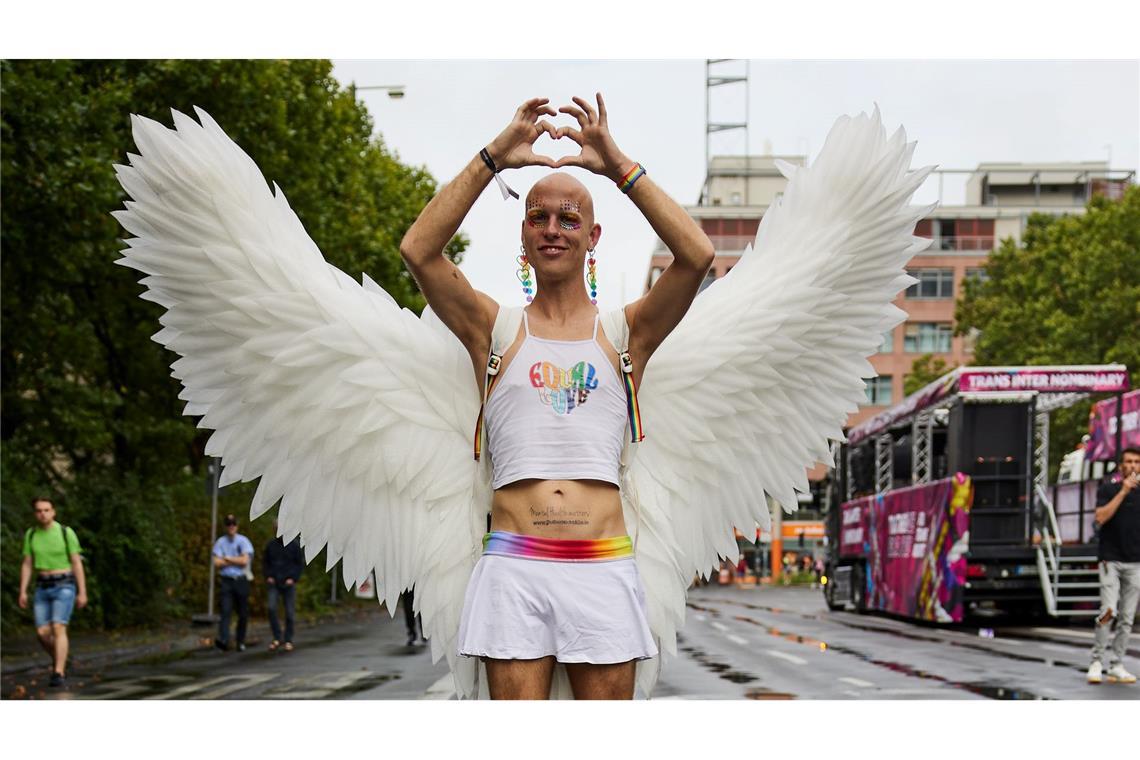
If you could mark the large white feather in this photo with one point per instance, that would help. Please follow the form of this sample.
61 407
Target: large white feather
356 412
747 392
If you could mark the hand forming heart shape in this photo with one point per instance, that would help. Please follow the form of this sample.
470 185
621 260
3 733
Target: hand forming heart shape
514 147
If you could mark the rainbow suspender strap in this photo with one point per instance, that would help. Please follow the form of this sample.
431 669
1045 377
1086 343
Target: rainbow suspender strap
636 433
494 361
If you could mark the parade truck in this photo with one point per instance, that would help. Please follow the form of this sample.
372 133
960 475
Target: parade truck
940 507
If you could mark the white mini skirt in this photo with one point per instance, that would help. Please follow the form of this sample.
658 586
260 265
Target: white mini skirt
524 608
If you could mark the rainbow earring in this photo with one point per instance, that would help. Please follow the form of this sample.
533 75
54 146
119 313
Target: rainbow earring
523 274
592 276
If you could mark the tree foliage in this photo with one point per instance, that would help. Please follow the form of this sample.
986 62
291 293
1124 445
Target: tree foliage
924 370
1068 294
90 412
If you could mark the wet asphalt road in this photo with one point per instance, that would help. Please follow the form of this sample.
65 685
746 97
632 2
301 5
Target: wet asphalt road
738 643
783 643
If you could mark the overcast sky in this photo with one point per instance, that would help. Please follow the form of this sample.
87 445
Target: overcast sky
960 112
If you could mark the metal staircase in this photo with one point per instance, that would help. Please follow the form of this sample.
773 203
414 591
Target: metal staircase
1068 576
1069 579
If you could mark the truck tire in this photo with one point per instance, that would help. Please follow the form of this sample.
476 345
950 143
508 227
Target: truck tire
829 592
859 589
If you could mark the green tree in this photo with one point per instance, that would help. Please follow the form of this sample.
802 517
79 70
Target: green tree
90 414
1068 294
924 370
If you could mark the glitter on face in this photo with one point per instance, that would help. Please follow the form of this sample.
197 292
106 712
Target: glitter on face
569 214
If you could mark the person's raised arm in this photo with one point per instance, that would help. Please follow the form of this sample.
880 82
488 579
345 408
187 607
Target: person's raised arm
466 312
654 316
1107 511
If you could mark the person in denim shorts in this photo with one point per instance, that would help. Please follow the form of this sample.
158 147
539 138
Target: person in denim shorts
52 551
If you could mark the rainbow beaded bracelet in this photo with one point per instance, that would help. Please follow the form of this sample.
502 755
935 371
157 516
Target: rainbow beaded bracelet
633 175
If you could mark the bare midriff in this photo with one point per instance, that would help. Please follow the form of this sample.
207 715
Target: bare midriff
573 509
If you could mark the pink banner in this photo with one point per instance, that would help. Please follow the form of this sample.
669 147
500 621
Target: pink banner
915 542
1102 427
1066 380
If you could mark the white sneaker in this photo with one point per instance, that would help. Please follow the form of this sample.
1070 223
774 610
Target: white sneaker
1117 674
1095 671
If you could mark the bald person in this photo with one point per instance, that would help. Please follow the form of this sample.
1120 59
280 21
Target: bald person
557 582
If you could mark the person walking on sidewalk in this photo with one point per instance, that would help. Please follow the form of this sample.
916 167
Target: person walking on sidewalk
1118 561
233 553
283 564
52 551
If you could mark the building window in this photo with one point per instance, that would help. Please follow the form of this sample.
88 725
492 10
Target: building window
735 199
927 338
654 274
932 284
977 274
888 344
879 390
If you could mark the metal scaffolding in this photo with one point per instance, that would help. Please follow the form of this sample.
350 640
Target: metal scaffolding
712 127
922 447
884 463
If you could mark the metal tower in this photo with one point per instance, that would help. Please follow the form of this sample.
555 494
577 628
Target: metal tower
722 79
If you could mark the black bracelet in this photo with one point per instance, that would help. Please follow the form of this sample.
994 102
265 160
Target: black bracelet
488 161
507 191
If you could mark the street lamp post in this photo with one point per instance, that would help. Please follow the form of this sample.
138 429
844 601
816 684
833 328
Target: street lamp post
395 91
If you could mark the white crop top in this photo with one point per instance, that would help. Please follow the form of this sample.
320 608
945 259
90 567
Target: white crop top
557 413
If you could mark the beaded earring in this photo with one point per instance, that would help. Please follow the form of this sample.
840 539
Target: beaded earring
523 274
592 276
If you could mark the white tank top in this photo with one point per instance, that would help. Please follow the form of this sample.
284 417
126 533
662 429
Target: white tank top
557 413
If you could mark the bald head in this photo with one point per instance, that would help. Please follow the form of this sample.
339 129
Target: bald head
561 186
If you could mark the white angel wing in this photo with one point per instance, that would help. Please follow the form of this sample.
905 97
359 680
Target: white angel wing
745 395
356 414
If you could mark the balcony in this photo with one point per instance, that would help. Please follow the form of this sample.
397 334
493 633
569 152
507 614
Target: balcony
732 245
973 243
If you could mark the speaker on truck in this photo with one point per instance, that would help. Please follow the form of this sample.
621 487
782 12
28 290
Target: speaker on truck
990 443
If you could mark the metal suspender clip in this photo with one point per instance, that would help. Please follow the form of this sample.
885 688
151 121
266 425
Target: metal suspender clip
493 364
626 362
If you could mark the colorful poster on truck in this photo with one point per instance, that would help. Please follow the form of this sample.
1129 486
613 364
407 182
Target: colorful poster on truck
914 541
1102 427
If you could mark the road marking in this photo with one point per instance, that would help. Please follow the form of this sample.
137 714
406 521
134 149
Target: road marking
320 685
444 688
719 626
132 687
701 618
738 640
231 684
789 657
857 682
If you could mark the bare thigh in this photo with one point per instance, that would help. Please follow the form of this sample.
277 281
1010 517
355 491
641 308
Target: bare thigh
602 681
519 679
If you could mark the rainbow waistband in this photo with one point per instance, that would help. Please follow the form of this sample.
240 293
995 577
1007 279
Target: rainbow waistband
566 549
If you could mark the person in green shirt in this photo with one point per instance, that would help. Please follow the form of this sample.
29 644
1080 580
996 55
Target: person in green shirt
52 552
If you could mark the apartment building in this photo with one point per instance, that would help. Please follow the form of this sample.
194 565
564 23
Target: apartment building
998 199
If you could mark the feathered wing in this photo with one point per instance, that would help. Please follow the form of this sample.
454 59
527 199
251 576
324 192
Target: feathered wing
746 394
355 413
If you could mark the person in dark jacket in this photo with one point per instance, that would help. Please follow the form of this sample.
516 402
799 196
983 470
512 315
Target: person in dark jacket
283 566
